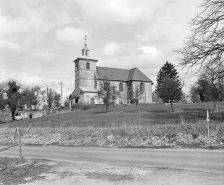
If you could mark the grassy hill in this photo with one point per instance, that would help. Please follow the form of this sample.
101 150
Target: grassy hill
154 126
150 114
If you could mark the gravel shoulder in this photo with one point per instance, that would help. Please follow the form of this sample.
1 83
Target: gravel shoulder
40 172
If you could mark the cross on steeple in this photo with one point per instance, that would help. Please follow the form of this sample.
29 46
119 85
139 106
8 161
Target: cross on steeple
85 50
85 40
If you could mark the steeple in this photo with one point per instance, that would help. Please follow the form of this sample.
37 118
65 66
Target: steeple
85 50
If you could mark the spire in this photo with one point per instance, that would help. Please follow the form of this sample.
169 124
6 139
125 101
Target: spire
85 50
85 40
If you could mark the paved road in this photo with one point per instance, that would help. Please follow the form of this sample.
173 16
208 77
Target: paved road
187 159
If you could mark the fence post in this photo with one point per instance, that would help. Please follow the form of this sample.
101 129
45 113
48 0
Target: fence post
208 121
19 143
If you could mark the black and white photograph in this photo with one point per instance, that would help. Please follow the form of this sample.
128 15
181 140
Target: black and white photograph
111 92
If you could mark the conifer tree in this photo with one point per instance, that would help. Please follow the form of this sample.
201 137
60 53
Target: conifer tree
169 87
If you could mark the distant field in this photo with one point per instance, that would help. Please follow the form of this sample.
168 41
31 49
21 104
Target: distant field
150 114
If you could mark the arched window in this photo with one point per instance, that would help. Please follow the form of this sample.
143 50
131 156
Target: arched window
77 65
87 65
141 86
106 86
121 89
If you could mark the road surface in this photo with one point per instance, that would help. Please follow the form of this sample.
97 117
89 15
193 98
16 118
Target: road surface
186 159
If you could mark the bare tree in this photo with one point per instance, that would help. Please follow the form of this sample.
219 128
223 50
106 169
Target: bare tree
107 92
67 102
51 97
215 76
27 98
37 92
205 47
136 95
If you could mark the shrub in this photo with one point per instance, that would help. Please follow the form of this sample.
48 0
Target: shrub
80 106
217 115
77 106
86 107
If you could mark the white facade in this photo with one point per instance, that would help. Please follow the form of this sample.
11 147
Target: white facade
88 77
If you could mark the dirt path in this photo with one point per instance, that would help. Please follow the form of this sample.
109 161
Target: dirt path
95 174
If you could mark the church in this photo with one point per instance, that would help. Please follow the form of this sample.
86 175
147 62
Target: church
88 77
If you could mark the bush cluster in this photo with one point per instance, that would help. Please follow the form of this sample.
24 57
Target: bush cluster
80 106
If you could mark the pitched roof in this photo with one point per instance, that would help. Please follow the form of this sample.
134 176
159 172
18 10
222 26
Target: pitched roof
108 73
76 92
136 75
116 74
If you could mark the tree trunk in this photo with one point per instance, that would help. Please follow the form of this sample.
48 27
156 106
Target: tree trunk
138 119
13 114
215 105
107 107
171 105
136 104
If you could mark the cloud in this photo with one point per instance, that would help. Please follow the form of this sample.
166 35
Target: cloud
12 26
143 38
9 45
46 56
125 34
28 20
150 52
70 34
111 48
30 80
124 11
63 18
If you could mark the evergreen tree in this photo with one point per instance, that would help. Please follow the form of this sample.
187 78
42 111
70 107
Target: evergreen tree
169 87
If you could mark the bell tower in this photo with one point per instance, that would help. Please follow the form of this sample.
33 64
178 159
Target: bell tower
85 69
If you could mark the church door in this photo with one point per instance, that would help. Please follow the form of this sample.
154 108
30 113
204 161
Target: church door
76 100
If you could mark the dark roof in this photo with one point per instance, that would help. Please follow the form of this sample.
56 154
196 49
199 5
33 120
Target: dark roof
136 75
116 74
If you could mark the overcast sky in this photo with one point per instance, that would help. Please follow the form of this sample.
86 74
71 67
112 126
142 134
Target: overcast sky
39 40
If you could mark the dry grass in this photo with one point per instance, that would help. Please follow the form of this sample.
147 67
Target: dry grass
167 135
155 124
199 127
150 114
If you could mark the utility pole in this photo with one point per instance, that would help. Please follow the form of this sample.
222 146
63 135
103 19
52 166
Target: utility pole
61 83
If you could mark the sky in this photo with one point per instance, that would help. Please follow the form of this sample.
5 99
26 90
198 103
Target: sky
39 40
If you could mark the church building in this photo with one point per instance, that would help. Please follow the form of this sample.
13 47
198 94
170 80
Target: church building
88 76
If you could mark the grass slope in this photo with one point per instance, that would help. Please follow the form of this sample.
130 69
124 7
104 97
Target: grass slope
150 114
155 126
